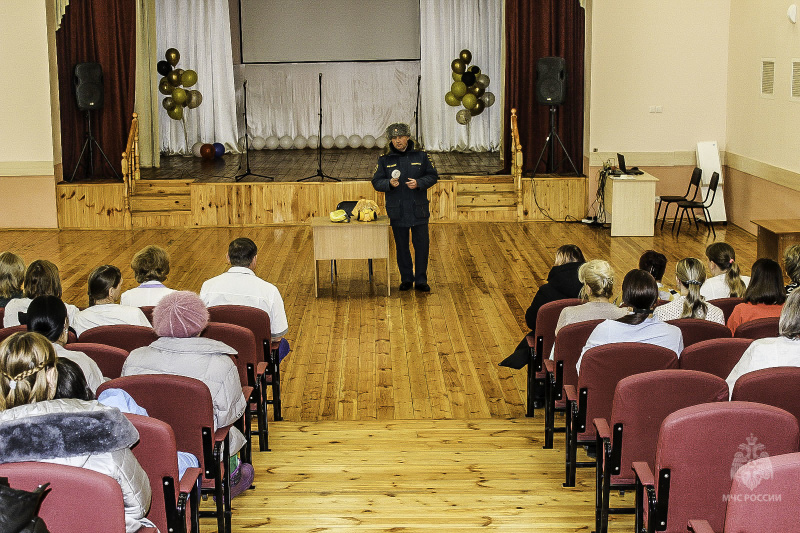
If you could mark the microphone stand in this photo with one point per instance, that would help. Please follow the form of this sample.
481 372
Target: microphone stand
239 177
416 114
320 174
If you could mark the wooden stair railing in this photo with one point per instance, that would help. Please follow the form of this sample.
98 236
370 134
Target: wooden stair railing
130 168
516 162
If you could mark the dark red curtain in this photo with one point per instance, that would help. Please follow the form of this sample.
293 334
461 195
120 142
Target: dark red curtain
101 31
534 30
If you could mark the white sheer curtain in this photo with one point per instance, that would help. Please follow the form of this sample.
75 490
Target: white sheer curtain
357 98
449 26
200 31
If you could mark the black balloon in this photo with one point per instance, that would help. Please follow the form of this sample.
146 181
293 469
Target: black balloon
468 78
475 69
163 67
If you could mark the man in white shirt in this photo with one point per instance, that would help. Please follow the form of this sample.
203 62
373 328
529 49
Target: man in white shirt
240 286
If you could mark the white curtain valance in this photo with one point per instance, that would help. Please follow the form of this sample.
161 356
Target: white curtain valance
60 7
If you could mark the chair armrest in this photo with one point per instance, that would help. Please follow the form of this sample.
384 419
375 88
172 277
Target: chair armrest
248 393
531 341
571 393
189 479
601 426
221 434
262 367
700 526
549 365
643 474
274 345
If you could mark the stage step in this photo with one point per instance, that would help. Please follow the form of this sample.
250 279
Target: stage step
151 187
160 203
484 193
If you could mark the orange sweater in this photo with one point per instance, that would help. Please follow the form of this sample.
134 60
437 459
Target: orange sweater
746 312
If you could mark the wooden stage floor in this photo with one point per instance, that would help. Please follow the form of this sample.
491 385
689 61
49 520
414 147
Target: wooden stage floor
292 165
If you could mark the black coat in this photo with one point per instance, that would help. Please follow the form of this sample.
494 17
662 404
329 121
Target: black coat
406 207
562 283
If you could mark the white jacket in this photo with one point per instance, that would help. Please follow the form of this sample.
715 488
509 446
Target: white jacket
117 461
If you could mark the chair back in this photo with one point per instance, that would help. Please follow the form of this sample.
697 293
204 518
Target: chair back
148 312
80 500
157 452
776 386
642 402
240 339
715 356
2 314
547 319
727 305
746 513
604 366
108 358
568 346
348 206
695 330
183 403
252 318
122 336
703 446
7 332
694 181
712 190
760 328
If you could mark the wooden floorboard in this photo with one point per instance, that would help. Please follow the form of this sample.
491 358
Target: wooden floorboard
397 417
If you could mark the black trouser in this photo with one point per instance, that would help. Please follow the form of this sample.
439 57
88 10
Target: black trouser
421 240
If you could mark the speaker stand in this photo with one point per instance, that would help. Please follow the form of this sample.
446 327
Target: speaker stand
551 143
89 143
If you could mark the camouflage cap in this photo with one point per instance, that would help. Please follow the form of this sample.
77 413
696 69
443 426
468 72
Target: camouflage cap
398 129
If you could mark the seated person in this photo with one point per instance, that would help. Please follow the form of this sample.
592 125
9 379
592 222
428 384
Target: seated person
689 277
12 273
763 297
656 264
726 281
562 283
640 292
150 267
791 260
775 351
597 277
105 286
48 315
41 279
240 286
28 382
178 319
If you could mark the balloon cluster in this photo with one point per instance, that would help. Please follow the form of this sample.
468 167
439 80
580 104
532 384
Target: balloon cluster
208 151
468 89
177 97
328 141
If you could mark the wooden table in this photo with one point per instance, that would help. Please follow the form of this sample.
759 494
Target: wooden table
630 205
774 236
350 240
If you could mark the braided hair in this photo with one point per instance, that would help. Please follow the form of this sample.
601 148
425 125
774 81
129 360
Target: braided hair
25 359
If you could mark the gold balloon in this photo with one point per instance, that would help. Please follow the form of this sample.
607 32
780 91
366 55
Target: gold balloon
477 89
452 99
459 89
188 78
483 78
179 95
176 113
456 76
478 109
174 78
469 100
164 86
465 56
168 103
197 99
172 56
458 66
463 117
488 99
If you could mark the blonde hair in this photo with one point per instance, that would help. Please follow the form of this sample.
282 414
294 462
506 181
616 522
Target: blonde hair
25 358
789 324
723 255
791 260
569 253
12 273
692 274
598 276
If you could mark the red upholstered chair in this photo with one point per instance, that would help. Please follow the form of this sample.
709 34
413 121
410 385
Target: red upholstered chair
641 402
258 322
561 371
776 386
695 330
2 314
185 404
745 513
760 328
699 448
7 332
542 343
148 312
602 368
715 356
242 340
79 501
122 336
109 358
157 452
727 305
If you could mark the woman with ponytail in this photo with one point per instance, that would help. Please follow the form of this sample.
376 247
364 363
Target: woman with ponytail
105 287
639 292
726 280
764 296
689 277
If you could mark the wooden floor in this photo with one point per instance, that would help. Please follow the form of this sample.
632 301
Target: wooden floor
397 417
292 165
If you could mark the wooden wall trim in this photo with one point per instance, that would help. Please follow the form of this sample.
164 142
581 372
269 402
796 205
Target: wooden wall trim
765 171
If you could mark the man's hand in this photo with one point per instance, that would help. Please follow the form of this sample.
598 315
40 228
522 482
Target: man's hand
412 184
394 182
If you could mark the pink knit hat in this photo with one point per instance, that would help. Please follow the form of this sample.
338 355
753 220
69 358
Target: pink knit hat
180 314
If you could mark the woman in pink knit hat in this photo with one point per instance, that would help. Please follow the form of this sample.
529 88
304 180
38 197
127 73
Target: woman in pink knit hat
178 319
